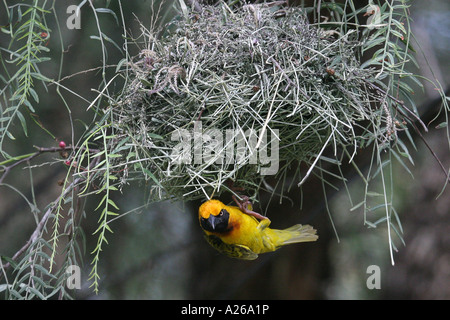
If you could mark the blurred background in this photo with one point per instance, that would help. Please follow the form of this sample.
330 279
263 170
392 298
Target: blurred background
158 252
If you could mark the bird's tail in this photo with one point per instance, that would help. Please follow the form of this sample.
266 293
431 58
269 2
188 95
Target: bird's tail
297 233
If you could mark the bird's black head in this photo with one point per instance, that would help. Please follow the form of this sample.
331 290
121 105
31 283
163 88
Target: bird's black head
218 223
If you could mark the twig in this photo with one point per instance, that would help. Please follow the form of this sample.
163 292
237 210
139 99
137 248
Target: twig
80 72
26 159
447 174
400 102
31 156
194 4
40 226
34 236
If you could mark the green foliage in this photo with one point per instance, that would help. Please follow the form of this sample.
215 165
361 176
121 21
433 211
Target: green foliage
28 32
39 267
106 204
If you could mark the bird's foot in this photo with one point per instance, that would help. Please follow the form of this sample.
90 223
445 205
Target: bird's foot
246 207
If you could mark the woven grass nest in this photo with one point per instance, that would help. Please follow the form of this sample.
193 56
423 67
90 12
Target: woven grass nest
230 71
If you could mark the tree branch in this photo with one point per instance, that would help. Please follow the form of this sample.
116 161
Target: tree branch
27 157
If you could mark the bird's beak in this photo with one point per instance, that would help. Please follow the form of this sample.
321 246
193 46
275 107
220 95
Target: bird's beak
210 223
217 223
213 221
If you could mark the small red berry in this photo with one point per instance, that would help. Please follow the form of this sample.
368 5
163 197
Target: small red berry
62 144
67 162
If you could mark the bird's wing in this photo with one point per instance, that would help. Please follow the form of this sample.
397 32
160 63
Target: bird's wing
231 250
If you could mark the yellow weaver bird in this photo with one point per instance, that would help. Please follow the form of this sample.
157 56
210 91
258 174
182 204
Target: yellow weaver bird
235 231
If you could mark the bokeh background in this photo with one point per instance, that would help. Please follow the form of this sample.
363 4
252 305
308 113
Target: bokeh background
158 252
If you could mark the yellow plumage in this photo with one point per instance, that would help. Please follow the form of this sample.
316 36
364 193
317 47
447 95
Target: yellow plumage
240 235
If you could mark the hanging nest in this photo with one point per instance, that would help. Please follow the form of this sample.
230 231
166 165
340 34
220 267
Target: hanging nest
252 78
